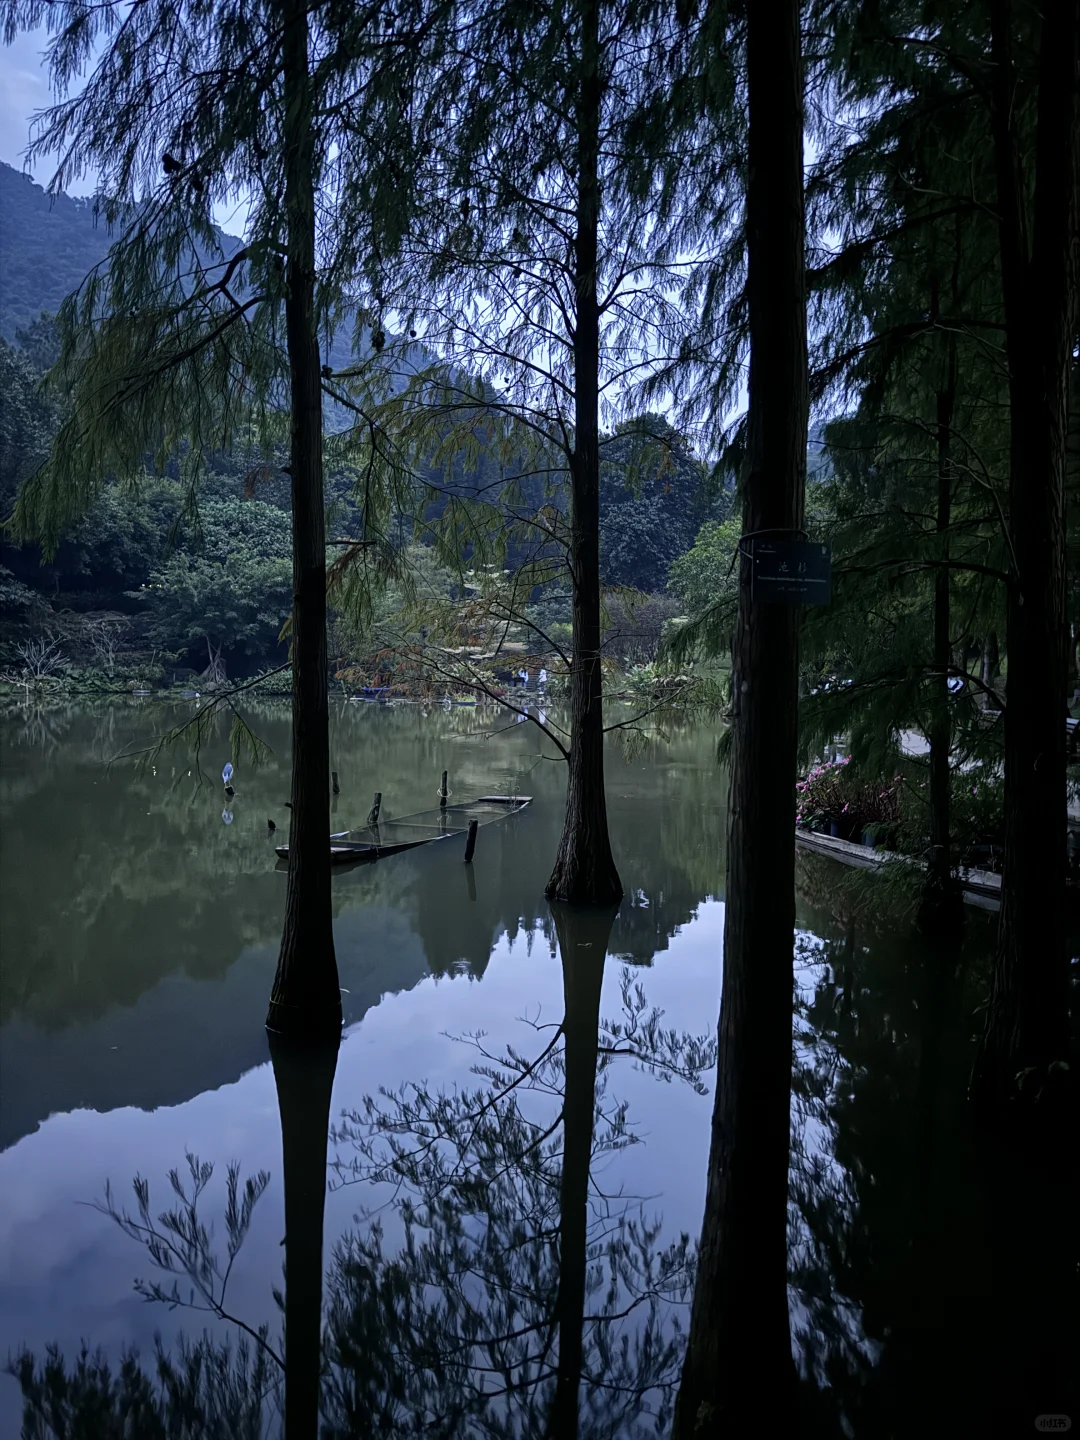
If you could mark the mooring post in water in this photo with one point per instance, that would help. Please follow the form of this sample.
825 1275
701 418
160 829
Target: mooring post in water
373 813
470 843
443 792
333 782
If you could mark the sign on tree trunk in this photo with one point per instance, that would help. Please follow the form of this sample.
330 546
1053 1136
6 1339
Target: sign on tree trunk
792 572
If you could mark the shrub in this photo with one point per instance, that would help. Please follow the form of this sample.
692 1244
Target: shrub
837 792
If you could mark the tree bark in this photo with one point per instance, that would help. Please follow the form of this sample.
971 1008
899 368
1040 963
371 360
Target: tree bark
304 1076
941 911
584 872
1027 1018
583 939
306 998
991 663
739 1351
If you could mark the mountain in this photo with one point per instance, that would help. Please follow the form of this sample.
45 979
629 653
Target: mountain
48 243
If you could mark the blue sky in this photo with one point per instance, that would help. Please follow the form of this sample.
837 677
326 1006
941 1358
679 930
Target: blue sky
24 89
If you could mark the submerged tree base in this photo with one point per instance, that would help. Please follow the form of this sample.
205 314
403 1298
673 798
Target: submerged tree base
588 879
305 1004
1034 1101
302 1023
941 910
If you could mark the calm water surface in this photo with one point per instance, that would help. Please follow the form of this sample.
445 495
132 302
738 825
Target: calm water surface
139 920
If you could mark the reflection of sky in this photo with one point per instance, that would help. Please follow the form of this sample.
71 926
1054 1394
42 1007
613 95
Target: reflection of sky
66 1272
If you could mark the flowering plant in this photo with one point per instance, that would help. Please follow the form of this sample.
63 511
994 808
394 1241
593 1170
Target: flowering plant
834 792
822 795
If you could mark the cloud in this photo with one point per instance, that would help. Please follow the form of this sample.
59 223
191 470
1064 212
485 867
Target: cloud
24 90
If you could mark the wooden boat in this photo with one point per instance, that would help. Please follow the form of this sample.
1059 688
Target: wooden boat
425 827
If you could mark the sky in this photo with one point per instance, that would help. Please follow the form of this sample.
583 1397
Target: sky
24 90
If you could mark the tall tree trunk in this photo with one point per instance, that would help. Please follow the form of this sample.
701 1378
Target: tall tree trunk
1027 1019
941 911
306 998
583 939
991 661
739 1350
585 872
304 1076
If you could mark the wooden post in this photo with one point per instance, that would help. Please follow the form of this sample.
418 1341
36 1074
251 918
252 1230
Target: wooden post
470 843
443 792
333 783
373 813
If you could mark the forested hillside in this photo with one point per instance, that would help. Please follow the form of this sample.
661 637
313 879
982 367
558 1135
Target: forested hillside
179 589
47 245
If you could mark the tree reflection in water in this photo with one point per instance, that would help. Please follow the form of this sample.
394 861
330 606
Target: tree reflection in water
496 1284
520 1277
520 1298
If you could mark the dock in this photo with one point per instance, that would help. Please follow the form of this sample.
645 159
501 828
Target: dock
980 887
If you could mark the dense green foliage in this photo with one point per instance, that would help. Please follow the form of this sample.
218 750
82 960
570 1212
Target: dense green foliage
705 575
230 589
653 496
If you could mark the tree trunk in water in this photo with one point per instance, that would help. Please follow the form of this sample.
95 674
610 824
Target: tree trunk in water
304 1075
1027 1019
583 939
585 872
739 1348
941 911
306 998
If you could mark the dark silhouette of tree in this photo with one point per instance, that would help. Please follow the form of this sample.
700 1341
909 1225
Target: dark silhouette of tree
548 283
304 1076
182 341
1025 1047
306 998
739 1333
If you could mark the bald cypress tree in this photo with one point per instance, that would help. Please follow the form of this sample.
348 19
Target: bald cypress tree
1027 1027
546 277
739 1341
306 995
183 342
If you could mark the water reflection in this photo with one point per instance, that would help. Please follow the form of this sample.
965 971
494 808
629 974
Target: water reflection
304 1076
501 1278
520 1297
138 930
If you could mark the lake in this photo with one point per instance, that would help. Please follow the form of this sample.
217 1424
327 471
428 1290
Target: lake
139 918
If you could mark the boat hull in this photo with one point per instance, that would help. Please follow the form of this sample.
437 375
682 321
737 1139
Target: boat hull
425 827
